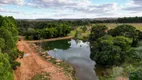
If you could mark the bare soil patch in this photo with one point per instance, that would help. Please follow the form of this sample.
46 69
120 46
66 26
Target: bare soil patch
33 64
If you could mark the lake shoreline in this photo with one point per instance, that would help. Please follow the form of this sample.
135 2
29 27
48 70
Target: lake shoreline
68 68
76 53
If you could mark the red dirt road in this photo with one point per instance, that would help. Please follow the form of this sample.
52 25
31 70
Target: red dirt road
32 64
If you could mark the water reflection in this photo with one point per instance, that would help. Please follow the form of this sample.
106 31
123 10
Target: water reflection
59 44
77 54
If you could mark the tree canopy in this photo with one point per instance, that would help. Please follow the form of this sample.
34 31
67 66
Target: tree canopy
37 29
124 30
119 20
127 31
109 50
114 46
98 31
6 72
8 50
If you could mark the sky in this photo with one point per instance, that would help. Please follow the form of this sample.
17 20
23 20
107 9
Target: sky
57 9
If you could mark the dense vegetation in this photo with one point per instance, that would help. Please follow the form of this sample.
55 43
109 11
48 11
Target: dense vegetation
8 50
130 20
6 72
109 47
110 50
119 40
115 47
127 31
120 20
38 29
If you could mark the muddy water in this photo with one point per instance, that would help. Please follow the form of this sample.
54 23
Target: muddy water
76 53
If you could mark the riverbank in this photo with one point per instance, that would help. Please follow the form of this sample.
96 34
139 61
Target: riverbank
67 68
74 52
32 64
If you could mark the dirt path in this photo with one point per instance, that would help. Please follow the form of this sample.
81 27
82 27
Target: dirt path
32 64
52 39
122 78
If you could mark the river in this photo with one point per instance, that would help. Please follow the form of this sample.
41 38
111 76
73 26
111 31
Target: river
76 53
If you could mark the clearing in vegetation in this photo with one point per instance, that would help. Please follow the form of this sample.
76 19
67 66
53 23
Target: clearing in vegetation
32 64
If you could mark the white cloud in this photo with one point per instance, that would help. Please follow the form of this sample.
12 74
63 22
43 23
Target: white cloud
16 2
72 8
138 2
84 6
134 6
8 11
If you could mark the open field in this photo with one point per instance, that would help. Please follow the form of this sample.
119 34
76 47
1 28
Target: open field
81 33
109 25
113 25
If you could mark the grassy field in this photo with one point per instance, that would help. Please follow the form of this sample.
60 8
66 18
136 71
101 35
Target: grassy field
82 35
113 25
109 25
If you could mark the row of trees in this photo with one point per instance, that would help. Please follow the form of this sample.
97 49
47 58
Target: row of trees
59 31
38 29
130 20
120 20
8 50
25 24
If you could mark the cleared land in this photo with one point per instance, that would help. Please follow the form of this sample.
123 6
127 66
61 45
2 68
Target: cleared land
33 64
113 25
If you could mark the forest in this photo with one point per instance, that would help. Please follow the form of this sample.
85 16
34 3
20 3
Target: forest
8 50
120 20
35 30
116 49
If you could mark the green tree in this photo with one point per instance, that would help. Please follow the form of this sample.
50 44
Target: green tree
127 31
6 72
84 28
98 31
2 43
109 50
9 41
47 31
136 75
8 38
139 34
